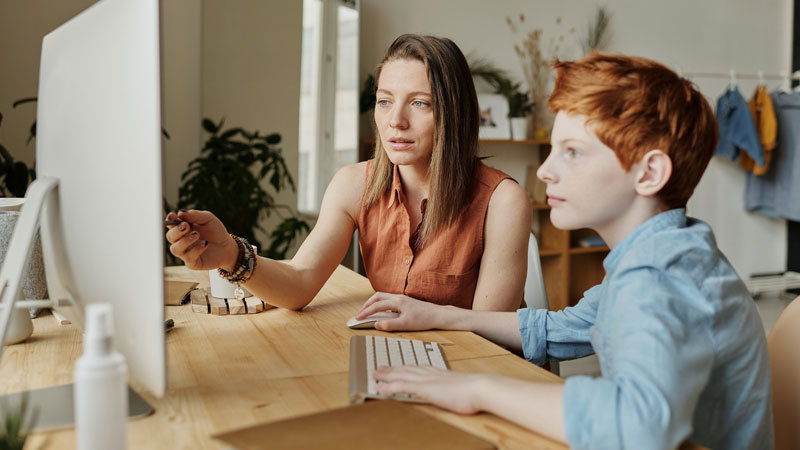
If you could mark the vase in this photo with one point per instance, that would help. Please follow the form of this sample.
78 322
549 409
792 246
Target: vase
33 284
519 128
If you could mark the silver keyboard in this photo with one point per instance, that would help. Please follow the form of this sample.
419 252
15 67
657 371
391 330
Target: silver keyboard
367 353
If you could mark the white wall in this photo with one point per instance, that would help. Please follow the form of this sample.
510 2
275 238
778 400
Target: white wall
240 60
690 36
251 72
24 24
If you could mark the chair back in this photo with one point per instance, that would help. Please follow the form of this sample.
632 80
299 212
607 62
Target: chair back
535 293
784 358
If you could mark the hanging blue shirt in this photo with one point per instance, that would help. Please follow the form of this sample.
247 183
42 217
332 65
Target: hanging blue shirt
777 192
736 127
681 347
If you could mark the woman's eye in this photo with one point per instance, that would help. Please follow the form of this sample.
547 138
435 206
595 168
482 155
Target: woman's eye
382 102
420 104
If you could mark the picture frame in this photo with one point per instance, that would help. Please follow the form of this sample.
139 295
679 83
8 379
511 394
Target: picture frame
494 117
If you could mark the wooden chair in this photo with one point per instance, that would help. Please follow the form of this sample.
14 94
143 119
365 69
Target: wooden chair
784 357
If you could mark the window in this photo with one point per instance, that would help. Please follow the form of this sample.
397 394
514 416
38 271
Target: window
328 96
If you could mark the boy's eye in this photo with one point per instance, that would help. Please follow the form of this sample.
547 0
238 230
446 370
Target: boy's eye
572 153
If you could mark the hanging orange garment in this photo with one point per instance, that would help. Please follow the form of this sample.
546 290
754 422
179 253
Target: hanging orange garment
763 113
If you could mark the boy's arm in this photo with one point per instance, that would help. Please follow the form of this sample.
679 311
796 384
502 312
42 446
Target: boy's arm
536 406
657 357
559 335
538 333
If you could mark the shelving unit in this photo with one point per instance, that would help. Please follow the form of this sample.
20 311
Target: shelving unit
568 269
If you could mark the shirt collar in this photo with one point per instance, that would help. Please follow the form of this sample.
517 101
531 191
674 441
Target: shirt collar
674 218
397 188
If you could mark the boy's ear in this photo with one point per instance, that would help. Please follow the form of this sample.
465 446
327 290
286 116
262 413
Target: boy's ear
655 170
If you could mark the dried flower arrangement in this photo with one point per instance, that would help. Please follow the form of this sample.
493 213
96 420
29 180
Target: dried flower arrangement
536 68
597 32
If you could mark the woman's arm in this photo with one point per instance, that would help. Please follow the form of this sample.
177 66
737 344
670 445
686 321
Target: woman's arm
291 284
504 263
499 327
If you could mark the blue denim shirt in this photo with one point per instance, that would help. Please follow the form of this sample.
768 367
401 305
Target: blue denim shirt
681 347
736 127
777 192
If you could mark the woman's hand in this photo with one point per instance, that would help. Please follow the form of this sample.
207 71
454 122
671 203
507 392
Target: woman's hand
201 241
453 391
414 314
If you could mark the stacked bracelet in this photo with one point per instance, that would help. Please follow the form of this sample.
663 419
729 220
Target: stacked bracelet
245 263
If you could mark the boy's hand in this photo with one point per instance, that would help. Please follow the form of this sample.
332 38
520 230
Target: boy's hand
413 314
453 391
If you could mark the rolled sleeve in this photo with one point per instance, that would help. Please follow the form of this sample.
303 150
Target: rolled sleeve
534 334
558 335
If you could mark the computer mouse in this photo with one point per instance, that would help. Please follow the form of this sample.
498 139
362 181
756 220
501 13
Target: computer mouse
369 321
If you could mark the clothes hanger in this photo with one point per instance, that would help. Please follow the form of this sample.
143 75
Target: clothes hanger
760 76
786 86
732 84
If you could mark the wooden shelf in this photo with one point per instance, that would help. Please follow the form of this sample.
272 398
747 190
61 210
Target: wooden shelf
538 206
584 250
545 141
568 270
371 141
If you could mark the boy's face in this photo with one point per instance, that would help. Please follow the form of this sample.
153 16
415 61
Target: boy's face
586 184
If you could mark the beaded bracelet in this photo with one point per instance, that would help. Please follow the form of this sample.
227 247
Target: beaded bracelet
245 263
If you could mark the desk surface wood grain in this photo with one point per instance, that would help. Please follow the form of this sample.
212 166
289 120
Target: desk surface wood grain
228 372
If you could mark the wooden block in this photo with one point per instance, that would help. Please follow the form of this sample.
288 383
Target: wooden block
175 291
235 306
199 299
254 305
218 306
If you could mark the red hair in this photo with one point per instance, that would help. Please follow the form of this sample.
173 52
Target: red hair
636 105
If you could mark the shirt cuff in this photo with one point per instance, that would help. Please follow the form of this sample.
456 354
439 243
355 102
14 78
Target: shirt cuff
532 327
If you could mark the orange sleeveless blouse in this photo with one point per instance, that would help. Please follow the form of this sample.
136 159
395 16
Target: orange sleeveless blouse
445 269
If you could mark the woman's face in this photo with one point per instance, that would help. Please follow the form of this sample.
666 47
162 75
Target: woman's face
404 112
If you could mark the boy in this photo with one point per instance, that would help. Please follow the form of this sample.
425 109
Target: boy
680 344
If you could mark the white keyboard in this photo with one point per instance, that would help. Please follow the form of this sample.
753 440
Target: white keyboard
367 353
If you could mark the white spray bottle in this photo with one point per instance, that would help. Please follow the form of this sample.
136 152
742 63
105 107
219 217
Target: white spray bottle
101 391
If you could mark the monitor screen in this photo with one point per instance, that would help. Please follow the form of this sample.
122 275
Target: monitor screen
99 136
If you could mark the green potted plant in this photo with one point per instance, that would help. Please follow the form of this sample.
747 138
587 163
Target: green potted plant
519 103
15 176
16 422
226 179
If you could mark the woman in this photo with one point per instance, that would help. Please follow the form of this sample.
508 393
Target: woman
434 223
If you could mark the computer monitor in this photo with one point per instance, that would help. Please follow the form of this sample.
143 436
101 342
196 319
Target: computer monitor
98 193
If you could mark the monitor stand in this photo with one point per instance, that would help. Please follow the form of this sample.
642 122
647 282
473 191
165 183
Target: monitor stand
41 191
55 404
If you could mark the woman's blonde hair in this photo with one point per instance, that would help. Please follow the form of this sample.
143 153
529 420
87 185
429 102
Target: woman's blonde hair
455 140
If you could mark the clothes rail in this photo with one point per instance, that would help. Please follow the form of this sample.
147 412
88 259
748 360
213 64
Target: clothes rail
746 76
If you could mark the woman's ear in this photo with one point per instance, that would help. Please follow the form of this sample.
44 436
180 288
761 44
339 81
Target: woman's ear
655 170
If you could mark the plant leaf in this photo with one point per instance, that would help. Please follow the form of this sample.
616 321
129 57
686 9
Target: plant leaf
209 126
23 101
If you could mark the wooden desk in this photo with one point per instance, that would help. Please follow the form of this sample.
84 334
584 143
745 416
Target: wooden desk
228 372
